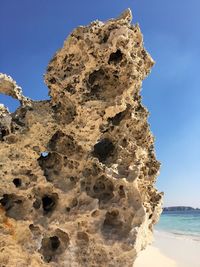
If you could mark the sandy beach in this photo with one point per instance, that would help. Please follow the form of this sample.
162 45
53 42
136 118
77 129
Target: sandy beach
168 250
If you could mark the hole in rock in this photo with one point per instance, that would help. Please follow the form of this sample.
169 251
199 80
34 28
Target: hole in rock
117 118
62 143
103 149
115 57
55 242
111 220
3 132
64 113
105 38
96 90
98 82
102 189
19 118
44 154
11 103
93 170
52 80
51 164
150 216
72 178
8 201
70 89
50 161
17 182
49 202
35 230
50 247
32 227
82 237
104 84
95 76
5 201
99 186
68 209
112 224
13 206
121 191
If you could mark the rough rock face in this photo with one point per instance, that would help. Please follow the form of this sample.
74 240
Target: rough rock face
78 170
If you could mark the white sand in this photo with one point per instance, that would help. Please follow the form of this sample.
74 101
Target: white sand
170 251
152 257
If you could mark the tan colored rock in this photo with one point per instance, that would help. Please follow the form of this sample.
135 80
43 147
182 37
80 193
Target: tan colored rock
9 87
78 170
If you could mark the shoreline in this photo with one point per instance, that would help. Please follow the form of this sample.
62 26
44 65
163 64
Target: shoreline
176 235
170 250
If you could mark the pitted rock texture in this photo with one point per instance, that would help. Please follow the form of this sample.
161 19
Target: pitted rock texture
9 87
78 170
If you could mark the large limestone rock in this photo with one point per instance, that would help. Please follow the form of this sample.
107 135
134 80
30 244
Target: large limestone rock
78 170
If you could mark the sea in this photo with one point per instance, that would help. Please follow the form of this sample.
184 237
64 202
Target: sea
183 224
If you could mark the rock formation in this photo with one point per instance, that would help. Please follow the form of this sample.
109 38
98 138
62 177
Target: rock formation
78 170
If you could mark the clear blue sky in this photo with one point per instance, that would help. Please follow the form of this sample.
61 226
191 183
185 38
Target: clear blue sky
31 32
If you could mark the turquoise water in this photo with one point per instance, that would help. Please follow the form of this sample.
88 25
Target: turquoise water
180 223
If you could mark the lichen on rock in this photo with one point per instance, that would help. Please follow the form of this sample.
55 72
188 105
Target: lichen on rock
78 170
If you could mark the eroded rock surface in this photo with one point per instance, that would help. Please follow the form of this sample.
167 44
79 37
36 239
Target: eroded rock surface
78 170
